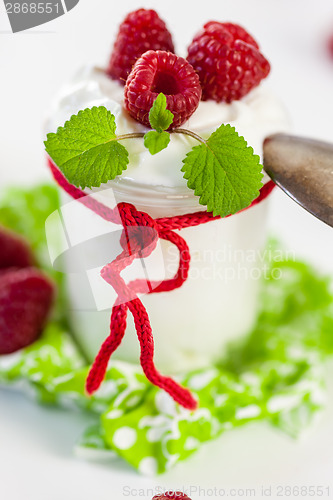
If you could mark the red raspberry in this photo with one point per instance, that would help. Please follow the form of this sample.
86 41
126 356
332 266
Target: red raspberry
157 72
176 495
26 297
227 60
141 30
14 251
330 46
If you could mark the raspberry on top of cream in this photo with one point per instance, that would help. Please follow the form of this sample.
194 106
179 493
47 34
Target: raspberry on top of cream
255 116
141 30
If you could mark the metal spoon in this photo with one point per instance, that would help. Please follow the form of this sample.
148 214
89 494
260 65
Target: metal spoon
303 169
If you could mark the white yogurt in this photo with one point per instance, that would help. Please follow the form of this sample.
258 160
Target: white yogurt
219 301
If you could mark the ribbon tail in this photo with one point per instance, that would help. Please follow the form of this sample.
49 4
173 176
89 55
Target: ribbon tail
117 331
144 331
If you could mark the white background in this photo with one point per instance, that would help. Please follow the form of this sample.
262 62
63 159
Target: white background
36 460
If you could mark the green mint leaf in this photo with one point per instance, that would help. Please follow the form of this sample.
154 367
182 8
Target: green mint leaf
86 150
160 118
156 141
224 172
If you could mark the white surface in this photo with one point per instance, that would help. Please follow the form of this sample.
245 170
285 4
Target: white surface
36 460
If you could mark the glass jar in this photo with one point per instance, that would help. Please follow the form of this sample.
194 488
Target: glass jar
219 301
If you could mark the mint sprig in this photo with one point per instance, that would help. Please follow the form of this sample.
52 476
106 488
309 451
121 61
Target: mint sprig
160 119
222 170
86 148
